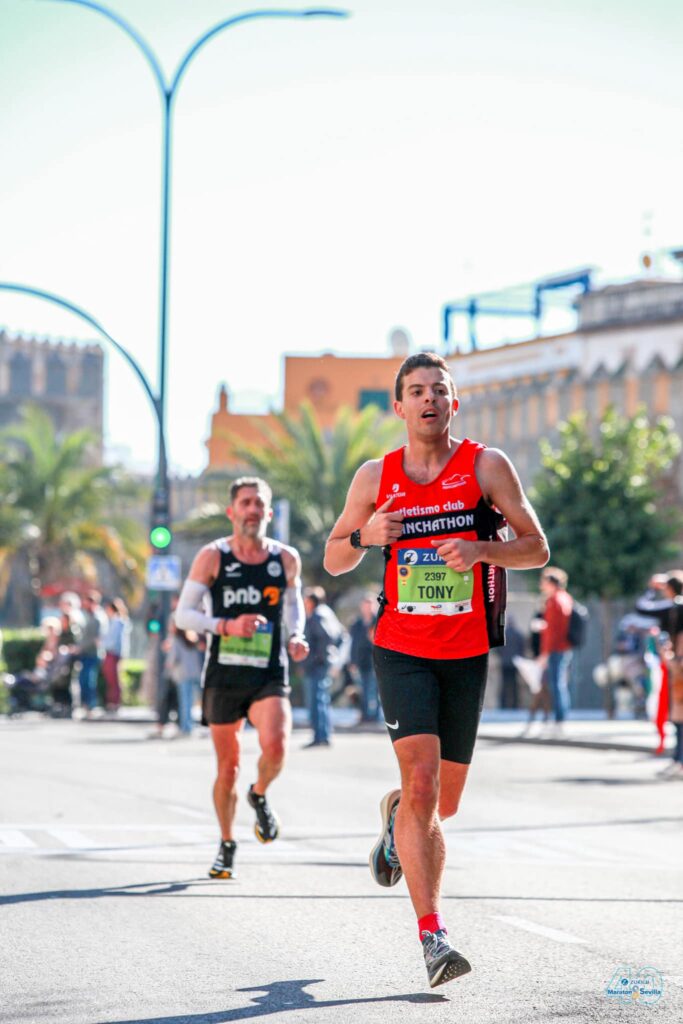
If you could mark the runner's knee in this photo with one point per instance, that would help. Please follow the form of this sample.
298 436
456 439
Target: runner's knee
228 771
274 748
420 787
448 804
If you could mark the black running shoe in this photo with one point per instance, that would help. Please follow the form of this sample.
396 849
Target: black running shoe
222 866
384 863
267 827
443 962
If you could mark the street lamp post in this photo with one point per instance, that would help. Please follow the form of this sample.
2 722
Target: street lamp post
161 508
168 90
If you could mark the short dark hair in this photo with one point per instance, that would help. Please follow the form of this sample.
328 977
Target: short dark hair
251 481
557 576
421 360
315 594
674 581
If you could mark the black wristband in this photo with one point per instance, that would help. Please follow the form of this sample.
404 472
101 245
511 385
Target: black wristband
355 541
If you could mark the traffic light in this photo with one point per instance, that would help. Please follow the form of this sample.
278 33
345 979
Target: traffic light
160 535
153 622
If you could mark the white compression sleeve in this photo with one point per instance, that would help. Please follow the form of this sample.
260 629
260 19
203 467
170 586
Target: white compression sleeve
188 614
293 612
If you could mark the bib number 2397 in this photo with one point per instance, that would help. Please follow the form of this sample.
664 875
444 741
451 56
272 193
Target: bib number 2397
426 586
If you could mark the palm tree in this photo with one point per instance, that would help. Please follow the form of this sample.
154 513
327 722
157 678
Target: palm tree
313 468
54 508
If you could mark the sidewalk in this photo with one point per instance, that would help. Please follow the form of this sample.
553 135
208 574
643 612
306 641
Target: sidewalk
583 729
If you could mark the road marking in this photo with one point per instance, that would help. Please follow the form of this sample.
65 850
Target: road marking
73 839
12 837
539 929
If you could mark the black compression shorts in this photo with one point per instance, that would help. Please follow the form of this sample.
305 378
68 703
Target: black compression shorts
222 705
427 695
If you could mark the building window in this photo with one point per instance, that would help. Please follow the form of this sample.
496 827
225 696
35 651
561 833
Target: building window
91 374
319 390
368 396
20 375
56 376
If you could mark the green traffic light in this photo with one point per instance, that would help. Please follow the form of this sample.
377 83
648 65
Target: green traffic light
153 626
160 536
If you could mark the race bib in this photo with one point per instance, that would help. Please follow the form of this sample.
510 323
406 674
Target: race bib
252 651
426 586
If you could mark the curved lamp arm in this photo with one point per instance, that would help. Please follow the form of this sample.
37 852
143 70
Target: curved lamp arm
133 34
237 19
72 308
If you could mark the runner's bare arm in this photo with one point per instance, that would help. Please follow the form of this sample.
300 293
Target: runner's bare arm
377 527
294 614
502 488
189 613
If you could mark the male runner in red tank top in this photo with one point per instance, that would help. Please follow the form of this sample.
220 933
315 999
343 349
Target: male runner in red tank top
436 507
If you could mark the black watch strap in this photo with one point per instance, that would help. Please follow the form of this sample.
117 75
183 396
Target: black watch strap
355 541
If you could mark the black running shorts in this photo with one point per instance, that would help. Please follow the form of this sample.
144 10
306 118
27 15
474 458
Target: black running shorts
442 698
222 705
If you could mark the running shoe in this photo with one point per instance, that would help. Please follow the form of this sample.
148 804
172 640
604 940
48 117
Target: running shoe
222 867
443 962
384 863
267 827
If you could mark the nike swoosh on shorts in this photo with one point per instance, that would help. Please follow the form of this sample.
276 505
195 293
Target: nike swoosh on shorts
390 726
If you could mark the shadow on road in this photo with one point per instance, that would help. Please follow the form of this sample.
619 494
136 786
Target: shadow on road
225 889
588 780
278 997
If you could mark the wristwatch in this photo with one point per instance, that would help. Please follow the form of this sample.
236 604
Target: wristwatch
355 541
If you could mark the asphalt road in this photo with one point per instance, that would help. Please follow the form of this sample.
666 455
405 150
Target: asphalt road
564 873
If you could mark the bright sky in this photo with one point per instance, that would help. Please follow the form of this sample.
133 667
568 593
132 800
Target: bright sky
332 179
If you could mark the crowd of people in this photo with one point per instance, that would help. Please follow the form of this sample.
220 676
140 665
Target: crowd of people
85 640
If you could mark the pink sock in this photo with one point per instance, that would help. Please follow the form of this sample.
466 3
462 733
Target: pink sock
431 923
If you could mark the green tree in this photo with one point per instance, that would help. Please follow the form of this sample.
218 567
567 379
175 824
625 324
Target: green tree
606 505
54 507
313 468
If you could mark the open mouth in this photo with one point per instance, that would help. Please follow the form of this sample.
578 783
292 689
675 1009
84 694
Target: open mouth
429 414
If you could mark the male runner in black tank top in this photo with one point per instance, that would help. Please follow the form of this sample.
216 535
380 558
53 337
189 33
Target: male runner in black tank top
244 591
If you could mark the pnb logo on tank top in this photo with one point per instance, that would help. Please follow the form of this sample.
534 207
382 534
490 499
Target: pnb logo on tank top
250 595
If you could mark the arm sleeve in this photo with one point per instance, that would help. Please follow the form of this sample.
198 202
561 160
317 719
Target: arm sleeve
188 614
293 612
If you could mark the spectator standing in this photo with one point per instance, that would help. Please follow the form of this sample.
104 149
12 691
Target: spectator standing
513 648
70 626
556 651
184 667
362 634
672 624
89 648
324 635
116 638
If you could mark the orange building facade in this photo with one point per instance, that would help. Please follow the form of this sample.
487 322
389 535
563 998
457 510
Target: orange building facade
328 382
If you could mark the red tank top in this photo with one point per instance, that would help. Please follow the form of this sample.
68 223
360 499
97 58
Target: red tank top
429 610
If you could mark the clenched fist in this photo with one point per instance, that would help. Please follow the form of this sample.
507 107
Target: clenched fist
244 625
459 555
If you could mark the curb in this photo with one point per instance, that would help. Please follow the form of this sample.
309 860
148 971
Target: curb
566 742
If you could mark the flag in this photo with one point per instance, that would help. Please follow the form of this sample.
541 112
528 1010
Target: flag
657 689
662 708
